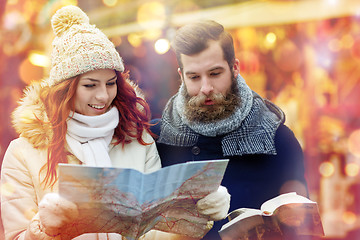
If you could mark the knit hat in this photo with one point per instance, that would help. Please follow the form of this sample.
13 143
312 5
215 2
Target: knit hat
79 47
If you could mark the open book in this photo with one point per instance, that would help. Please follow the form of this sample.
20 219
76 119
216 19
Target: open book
128 202
278 218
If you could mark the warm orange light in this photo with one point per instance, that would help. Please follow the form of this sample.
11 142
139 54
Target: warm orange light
152 34
110 3
349 217
39 59
68 2
162 46
151 11
29 72
271 37
347 41
248 37
326 169
352 169
134 39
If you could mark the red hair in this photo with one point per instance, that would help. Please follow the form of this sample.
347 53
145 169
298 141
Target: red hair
59 101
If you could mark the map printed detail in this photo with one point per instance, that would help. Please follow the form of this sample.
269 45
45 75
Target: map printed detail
131 203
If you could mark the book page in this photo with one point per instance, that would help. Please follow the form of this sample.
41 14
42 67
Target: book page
269 206
300 218
251 224
283 217
242 213
241 226
131 203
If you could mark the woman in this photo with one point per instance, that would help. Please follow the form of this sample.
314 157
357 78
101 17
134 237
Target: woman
87 112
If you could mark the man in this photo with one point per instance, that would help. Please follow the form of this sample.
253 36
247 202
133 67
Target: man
215 115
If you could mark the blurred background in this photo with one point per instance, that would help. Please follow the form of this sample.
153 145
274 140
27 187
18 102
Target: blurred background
304 55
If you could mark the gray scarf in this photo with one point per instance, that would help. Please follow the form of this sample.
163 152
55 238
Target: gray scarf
250 129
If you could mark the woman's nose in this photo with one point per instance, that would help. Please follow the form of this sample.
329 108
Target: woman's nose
102 94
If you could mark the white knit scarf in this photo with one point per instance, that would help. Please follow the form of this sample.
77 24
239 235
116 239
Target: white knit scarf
89 137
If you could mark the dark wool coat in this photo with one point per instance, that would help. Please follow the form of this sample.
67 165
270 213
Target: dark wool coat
250 179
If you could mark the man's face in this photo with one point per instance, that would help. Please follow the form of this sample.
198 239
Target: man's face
208 81
207 72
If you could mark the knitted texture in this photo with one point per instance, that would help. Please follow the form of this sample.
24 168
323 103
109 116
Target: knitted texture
251 129
79 47
221 126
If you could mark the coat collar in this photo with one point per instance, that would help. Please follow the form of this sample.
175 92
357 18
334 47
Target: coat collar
256 133
29 118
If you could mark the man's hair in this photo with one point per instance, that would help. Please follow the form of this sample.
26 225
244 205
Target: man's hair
193 38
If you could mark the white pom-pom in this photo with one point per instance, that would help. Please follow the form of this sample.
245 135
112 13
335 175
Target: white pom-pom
66 17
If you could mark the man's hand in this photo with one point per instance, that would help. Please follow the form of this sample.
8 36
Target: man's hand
216 205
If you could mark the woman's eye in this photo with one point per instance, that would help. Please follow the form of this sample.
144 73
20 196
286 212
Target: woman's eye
111 83
89 85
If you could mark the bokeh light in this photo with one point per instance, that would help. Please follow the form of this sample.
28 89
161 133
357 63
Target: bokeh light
110 3
270 38
162 46
270 41
134 39
186 6
352 169
326 169
68 2
152 34
347 41
349 217
39 59
247 37
29 72
151 11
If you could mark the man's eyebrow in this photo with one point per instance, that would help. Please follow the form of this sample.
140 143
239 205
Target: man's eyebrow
210 70
190 73
216 68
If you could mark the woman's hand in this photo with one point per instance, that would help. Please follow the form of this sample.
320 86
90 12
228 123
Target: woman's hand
216 205
55 212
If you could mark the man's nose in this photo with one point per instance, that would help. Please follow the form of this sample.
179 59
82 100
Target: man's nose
206 86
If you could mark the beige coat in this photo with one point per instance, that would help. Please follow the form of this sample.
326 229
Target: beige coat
21 183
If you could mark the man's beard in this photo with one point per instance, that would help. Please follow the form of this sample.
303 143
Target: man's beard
223 107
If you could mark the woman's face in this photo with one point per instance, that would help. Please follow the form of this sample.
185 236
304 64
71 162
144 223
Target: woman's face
95 92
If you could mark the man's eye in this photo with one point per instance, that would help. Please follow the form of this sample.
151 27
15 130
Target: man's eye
194 77
215 73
